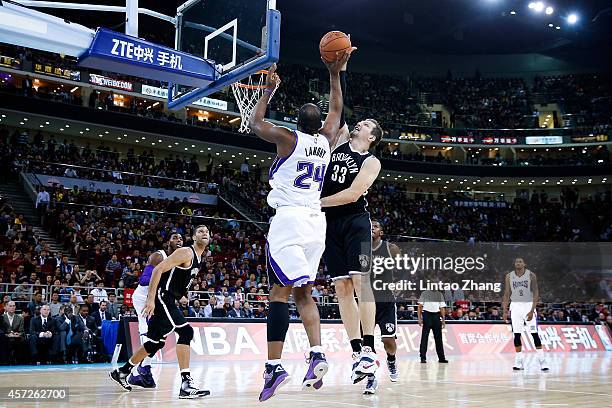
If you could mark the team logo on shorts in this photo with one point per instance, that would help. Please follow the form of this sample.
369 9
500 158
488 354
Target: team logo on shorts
390 327
364 261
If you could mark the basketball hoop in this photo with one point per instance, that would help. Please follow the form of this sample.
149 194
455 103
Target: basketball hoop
247 92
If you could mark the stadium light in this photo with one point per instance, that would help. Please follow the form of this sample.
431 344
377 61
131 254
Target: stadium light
538 7
549 10
572 18
531 5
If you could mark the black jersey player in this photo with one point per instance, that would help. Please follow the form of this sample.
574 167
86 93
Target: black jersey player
169 282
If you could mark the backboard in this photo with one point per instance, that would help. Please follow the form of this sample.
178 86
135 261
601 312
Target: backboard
217 42
239 37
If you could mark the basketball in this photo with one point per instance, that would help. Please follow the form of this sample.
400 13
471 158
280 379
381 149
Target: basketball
333 43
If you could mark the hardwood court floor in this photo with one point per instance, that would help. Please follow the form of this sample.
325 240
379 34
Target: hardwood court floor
574 380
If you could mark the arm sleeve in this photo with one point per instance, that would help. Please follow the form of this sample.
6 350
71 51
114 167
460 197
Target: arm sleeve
344 99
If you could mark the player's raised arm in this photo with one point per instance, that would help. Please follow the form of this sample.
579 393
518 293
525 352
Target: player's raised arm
331 126
281 136
179 257
366 177
343 133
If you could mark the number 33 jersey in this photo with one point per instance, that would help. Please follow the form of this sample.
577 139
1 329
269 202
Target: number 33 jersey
343 168
297 180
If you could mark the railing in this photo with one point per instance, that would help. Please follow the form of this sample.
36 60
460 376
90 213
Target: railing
24 293
27 292
328 300
121 177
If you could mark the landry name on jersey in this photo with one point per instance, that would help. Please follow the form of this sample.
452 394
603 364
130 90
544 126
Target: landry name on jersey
297 180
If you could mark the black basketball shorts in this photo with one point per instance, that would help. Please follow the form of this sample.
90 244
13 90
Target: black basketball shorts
348 245
386 318
166 316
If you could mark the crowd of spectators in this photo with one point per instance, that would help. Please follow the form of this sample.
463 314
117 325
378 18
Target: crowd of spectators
472 102
51 156
532 218
587 97
106 237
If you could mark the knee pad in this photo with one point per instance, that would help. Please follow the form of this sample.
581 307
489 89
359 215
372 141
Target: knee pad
517 340
536 340
151 347
185 334
278 321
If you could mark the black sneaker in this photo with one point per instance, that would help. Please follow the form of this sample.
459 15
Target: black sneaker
275 377
121 379
392 368
189 390
371 386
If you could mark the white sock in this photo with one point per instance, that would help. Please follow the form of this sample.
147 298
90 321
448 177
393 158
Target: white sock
274 362
316 349
146 362
519 355
540 352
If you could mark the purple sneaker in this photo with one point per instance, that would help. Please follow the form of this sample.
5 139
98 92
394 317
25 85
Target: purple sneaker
275 377
144 379
317 368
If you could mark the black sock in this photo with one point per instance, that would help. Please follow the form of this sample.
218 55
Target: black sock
127 367
390 358
185 375
368 341
356 345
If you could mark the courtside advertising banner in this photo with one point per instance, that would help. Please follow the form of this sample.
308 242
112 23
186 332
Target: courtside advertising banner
247 341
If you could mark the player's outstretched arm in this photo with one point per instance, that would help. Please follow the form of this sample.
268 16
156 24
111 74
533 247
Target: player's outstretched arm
506 298
364 180
343 132
283 138
332 121
179 257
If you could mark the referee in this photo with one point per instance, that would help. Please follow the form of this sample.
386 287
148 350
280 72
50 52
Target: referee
431 317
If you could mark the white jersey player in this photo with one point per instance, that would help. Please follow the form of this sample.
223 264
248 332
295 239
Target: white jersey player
522 293
296 238
144 377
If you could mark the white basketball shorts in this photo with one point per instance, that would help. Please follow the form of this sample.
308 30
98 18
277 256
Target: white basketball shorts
518 315
139 299
296 241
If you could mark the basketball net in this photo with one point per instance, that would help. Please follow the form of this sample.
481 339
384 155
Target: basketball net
247 92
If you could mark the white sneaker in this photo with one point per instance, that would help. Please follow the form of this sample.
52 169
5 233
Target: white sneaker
367 362
371 386
543 364
355 378
518 363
